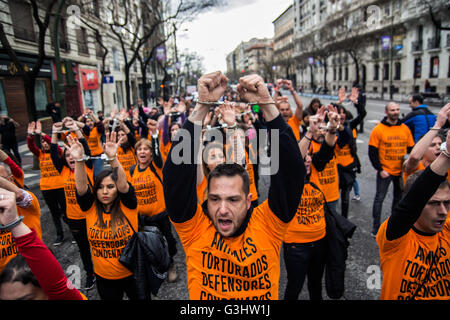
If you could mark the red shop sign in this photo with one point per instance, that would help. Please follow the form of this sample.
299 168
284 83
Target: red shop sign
90 79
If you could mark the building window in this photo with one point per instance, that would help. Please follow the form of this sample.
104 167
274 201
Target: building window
22 20
398 71
376 72
346 73
434 67
3 108
115 59
340 73
40 94
62 34
98 48
82 41
386 71
417 68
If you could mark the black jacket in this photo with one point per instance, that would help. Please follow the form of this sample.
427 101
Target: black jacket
147 256
339 231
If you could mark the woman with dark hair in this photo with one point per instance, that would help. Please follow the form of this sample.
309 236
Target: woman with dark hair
146 178
213 154
110 207
126 154
76 219
34 274
346 153
51 183
93 138
313 106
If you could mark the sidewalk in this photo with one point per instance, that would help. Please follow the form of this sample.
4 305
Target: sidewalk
32 177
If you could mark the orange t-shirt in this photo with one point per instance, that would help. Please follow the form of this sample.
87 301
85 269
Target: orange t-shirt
106 248
250 171
32 218
242 267
126 159
344 155
295 124
405 262
73 210
93 141
308 224
50 177
164 149
392 143
149 191
327 179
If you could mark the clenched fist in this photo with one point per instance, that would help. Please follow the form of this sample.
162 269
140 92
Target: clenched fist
211 86
252 89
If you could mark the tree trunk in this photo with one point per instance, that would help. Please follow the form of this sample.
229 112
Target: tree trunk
30 83
144 82
325 72
127 87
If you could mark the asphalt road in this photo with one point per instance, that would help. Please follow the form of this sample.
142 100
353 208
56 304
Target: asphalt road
363 276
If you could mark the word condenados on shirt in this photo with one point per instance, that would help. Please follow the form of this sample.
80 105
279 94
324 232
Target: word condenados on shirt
106 245
227 276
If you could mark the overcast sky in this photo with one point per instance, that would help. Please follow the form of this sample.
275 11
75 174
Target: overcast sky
216 33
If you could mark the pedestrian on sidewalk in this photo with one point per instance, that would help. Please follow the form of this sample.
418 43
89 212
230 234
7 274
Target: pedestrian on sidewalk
420 119
8 137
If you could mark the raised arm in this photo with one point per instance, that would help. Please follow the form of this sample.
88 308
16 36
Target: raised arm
180 169
299 109
56 159
76 150
40 260
30 140
110 149
409 209
286 184
422 145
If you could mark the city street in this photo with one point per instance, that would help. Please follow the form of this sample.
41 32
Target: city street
363 277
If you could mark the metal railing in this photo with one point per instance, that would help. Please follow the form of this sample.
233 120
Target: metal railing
434 43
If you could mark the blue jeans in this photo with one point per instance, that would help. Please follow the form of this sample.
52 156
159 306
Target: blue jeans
382 188
305 259
356 187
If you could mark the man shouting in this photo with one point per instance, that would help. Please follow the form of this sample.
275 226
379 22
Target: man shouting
232 248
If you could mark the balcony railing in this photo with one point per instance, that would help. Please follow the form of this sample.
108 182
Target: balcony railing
416 46
82 47
434 43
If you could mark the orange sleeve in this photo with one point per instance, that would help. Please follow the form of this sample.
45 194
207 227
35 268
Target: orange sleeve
374 139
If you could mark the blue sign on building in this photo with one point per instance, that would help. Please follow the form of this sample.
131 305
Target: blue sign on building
108 79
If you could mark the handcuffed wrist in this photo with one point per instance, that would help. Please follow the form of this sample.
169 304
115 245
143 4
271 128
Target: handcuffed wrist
11 225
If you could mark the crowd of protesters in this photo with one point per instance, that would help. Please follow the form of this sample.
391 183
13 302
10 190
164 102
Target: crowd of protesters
193 166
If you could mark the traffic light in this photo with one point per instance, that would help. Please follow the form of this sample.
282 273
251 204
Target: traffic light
162 86
71 73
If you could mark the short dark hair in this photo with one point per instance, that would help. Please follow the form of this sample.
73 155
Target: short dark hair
17 269
231 170
413 177
417 97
